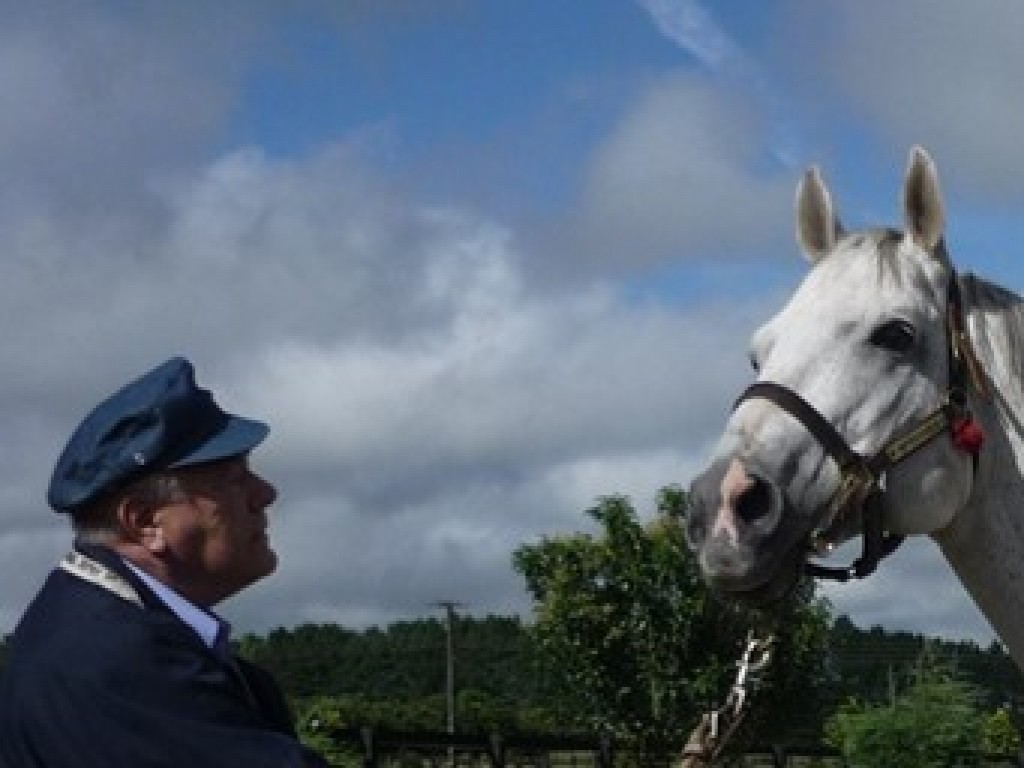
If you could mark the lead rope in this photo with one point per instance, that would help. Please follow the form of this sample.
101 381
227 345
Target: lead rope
716 727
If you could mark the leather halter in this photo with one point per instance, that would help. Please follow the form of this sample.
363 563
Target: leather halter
860 486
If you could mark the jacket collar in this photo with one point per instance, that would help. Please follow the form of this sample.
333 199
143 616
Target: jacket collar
109 558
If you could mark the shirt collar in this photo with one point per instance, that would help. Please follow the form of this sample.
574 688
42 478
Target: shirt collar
209 627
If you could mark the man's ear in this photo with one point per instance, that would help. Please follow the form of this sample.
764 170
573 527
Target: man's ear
140 524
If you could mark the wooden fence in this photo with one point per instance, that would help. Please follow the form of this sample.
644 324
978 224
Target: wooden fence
384 748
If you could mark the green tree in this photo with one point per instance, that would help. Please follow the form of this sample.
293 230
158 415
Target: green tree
870 664
632 641
315 720
1001 736
936 718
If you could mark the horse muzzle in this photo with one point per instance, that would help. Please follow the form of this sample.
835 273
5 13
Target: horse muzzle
739 525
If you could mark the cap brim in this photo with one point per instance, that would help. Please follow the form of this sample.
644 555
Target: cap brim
239 435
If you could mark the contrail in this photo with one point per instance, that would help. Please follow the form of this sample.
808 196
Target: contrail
689 26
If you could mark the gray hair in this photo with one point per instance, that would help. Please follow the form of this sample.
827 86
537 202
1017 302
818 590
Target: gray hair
97 523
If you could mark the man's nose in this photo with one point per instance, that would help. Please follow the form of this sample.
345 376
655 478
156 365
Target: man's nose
264 492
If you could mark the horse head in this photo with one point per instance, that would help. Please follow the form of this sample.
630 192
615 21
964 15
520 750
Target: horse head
857 393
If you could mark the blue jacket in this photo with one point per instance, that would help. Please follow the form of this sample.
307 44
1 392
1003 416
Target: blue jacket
94 681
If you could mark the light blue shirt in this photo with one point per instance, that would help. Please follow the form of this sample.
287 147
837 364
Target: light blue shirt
206 625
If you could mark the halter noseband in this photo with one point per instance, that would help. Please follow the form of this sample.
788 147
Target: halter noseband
859 482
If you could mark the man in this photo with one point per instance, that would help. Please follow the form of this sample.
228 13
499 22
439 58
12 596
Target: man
119 662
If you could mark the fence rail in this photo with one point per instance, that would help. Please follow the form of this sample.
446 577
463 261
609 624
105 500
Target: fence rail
381 748
497 750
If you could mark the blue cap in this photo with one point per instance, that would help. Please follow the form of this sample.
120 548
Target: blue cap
162 420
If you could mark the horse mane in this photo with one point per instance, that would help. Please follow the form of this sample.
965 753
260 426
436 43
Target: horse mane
995 317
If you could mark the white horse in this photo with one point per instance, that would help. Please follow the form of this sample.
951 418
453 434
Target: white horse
888 402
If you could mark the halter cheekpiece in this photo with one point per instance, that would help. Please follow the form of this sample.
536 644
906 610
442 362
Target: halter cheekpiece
860 484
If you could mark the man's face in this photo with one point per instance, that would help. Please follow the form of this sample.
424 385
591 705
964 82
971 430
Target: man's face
215 535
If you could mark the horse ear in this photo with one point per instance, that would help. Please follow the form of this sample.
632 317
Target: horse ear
817 227
923 210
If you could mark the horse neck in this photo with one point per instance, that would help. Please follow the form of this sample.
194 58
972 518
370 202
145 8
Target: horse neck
984 543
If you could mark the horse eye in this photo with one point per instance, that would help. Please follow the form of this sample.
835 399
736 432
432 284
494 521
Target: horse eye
753 362
895 335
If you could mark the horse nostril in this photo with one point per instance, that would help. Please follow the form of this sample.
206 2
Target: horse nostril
755 502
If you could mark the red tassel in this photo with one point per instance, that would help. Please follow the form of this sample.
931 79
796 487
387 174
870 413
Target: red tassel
967 435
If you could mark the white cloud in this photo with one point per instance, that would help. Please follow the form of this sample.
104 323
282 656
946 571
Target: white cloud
93 101
639 475
678 180
935 72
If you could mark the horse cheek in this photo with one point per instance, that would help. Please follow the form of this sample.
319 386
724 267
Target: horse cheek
930 498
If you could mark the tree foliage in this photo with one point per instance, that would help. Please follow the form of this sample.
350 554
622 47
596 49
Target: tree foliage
937 717
1001 735
869 663
634 642
405 660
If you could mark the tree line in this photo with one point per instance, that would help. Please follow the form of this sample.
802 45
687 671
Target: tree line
394 677
495 658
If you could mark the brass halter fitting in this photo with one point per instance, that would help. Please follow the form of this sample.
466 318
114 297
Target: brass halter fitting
856 481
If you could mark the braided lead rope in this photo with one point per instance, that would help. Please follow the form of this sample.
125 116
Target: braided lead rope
716 728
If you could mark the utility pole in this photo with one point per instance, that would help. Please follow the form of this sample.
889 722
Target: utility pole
449 688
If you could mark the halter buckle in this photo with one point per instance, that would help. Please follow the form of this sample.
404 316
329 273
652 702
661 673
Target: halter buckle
855 483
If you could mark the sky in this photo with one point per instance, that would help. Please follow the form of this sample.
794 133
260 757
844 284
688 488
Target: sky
478 263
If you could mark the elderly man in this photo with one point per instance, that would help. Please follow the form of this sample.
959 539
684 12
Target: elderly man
118 661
